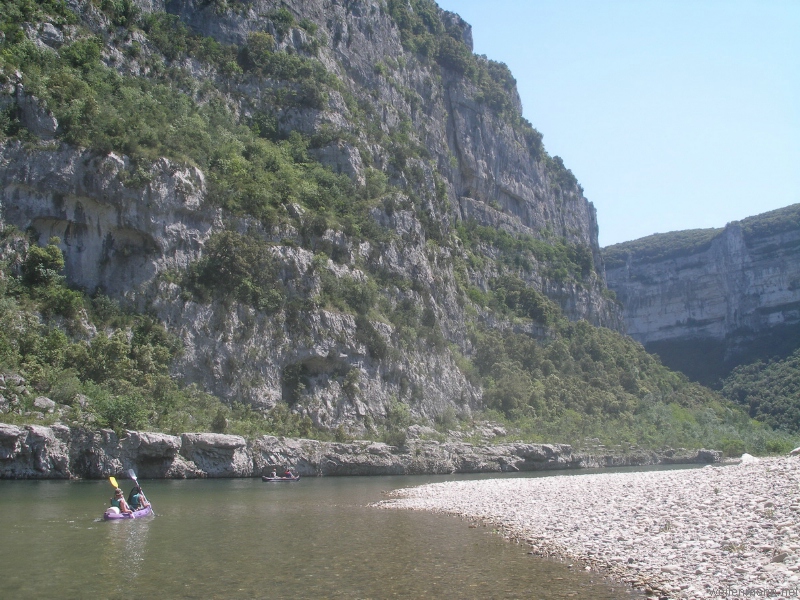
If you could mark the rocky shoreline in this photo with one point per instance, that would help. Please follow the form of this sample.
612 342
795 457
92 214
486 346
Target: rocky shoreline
61 452
716 531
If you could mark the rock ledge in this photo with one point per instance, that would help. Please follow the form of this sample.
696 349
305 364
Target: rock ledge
58 452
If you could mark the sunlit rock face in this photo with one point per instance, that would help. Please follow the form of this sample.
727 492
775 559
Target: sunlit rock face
734 298
115 237
132 237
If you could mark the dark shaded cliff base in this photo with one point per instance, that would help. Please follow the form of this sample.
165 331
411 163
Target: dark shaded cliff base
709 361
58 452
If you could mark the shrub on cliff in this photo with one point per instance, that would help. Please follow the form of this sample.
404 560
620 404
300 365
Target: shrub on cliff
237 267
395 427
770 391
561 260
43 265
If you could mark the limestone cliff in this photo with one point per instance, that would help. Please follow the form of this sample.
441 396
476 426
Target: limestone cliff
707 300
449 152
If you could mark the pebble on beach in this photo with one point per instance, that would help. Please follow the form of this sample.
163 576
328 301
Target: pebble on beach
687 533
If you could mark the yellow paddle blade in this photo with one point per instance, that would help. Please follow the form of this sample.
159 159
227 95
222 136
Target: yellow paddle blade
113 481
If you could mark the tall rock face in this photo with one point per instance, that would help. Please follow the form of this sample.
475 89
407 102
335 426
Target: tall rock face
443 137
708 300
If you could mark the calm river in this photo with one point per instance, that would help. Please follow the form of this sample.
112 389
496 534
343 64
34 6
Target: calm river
243 538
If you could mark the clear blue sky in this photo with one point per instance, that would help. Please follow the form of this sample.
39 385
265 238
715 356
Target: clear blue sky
672 114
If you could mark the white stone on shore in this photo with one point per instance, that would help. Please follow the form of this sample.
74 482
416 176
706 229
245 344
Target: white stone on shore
673 531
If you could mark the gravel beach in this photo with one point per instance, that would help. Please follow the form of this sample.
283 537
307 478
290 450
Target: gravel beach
716 531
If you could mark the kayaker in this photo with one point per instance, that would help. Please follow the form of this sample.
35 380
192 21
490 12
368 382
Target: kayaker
136 500
118 501
273 474
288 473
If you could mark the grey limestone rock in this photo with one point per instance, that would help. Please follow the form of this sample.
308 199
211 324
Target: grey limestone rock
34 116
56 452
217 455
44 404
122 236
9 441
34 452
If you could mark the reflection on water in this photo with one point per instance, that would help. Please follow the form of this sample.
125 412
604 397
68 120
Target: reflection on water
243 538
125 544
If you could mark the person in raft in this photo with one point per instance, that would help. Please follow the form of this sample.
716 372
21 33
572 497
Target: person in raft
118 502
273 474
136 499
287 474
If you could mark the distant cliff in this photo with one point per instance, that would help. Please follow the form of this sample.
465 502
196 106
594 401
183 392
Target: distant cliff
708 300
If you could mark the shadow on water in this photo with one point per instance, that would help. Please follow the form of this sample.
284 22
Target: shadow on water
243 538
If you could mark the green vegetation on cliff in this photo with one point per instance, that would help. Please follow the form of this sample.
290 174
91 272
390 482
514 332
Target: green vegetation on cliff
107 367
771 223
660 246
663 246
754 365
562 260
593 383
252 170
101 365
424 33
255 166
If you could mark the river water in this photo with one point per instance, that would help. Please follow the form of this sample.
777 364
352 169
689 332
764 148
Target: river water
243 538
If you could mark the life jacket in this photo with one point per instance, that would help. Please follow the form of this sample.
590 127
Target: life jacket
115 502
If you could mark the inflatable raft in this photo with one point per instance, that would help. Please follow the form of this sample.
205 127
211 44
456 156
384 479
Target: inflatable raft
113 514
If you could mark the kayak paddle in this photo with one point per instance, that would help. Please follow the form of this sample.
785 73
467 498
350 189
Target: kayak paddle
132 475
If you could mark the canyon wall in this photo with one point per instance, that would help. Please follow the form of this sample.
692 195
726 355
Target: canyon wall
131 230
708 300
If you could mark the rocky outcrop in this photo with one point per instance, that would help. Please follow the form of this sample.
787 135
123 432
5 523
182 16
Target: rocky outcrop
58 452
705 307
115 237
34 452
221 455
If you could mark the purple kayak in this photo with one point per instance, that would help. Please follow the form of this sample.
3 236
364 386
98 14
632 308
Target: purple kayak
113 514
